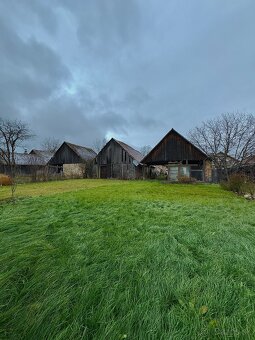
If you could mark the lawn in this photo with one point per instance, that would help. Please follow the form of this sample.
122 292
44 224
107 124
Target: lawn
98 259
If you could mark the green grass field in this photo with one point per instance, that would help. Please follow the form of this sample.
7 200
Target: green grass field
98 259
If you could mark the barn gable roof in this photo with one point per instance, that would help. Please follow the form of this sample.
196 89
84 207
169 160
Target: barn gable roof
168 155
82 151
79 154
135 154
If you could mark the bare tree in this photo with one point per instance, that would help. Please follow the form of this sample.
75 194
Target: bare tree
145 150
99 144
51 144
13 134
228 139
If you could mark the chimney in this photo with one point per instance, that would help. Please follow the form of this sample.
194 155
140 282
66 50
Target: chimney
25 151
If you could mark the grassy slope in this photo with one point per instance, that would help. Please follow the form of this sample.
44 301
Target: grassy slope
135 259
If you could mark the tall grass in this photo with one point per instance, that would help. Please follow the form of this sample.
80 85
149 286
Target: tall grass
128 260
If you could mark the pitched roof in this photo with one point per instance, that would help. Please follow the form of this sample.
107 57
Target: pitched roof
82 151
28 159
222 154
131 151
173 131
44 155
250 160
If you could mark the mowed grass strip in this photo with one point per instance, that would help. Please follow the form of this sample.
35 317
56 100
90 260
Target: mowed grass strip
134 260
52 187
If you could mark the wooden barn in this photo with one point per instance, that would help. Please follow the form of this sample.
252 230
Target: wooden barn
118 160
73 160
180 156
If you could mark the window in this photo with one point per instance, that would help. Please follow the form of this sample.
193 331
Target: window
185 171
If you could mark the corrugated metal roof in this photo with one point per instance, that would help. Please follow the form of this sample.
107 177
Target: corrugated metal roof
44 155
35 157
131 151
28 159
83 152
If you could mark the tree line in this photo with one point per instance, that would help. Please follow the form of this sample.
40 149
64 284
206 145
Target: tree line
229 140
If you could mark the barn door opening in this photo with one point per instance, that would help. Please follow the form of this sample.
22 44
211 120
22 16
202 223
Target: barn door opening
103 171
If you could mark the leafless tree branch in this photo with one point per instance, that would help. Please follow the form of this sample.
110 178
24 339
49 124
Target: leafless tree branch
230 136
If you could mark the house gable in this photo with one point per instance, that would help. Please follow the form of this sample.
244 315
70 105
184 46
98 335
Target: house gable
118 152
65 155
173 148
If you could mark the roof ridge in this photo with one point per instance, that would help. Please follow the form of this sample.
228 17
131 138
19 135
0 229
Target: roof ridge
80 146
119 141
130 150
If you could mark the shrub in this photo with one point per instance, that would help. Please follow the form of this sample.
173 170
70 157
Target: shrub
5 180
235 183
249 188
240 184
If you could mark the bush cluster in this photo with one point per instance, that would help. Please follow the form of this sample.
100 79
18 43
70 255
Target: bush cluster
5 180
240 184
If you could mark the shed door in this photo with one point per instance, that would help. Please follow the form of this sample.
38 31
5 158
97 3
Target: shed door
173 173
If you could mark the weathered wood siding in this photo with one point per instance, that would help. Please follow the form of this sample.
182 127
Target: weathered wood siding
114 162
173 148
65 155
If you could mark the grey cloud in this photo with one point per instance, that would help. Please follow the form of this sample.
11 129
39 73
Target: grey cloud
86 69
105 25
31 12
65 119
31 71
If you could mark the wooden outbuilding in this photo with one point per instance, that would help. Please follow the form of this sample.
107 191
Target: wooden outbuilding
118 160
73 160
180 156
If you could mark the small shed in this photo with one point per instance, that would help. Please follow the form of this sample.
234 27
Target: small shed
73 160
180 156
118 160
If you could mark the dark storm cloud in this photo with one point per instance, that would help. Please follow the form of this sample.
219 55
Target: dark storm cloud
82 70
30 72
105 25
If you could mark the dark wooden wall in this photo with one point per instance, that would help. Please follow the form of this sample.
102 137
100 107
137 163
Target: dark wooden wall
173 148
27 169
114 162
65 155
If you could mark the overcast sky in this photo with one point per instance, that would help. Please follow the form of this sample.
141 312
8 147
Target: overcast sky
80 70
